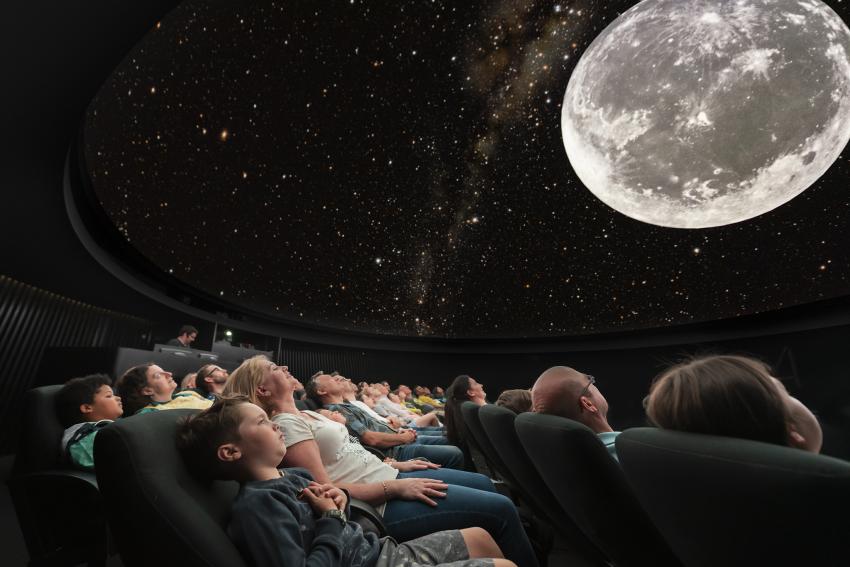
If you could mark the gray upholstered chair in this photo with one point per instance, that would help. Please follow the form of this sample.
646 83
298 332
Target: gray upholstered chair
48 494
589 486
148 490
733 502
497 423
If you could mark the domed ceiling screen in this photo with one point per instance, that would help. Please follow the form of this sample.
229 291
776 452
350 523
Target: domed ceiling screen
400 168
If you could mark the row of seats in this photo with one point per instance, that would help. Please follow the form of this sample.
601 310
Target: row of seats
674 498
141 486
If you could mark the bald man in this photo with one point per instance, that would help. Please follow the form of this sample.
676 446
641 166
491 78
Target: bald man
568 393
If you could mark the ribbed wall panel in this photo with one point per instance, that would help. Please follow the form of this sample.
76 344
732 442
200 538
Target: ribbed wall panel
32 319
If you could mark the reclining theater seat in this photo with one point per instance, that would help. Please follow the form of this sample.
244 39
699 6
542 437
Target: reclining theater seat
735 502
148 491
157 511
589 486
48 494
498 425
478 441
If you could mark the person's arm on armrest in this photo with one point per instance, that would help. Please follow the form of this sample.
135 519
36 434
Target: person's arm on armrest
386 440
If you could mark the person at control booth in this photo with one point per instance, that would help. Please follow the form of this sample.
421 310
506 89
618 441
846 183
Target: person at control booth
187 336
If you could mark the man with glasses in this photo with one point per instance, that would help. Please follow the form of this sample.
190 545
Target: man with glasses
210 380
574 395
187 335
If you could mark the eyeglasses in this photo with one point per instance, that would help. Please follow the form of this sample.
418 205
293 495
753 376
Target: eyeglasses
590 383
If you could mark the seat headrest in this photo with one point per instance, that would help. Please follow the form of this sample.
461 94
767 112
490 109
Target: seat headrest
40 446
148 490
745 502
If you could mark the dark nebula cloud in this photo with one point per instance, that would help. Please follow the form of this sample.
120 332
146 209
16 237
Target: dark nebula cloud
398 168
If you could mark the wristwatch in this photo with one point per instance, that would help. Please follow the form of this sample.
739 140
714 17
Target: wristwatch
338 514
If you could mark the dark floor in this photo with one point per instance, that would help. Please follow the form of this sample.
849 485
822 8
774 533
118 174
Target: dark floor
14 551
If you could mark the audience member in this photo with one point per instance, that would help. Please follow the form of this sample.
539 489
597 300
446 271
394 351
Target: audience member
401 490
518 401
406 394
148 387
423 396
402 444
84 406
284 518
387 407
731 396
210 381
188 381
298 394
185 337
566 392
439 394
464 388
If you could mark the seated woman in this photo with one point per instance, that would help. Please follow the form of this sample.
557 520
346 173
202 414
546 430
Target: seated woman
414 497
732 396
463 389
148 387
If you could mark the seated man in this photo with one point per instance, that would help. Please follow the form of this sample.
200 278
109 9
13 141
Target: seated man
423 396
85 405
439 394
402 444
410 401
185 337
210 381
569 393
283 518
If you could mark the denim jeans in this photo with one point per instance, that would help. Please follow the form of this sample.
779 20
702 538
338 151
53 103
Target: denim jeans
429 439
471 501
446 455
428 430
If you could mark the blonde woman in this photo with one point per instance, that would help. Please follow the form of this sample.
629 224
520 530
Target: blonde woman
414 497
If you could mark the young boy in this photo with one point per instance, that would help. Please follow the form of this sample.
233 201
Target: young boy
283 518
85 405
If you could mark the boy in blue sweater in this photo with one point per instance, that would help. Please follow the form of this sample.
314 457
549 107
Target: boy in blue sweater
284 518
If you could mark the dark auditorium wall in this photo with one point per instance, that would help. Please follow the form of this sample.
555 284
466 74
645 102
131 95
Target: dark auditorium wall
32 319
809 362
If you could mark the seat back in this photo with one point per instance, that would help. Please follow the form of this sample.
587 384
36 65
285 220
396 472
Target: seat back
40 446
156 509
498 425
478 441
726 501
589 486
301 405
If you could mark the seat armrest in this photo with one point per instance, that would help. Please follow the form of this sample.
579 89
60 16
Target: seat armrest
61 475
367 516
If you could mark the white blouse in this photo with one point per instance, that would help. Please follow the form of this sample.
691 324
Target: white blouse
344 458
